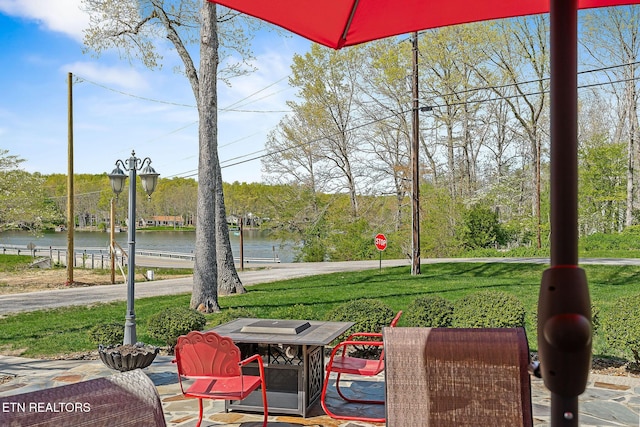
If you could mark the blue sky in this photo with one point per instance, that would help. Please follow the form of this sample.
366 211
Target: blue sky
41 42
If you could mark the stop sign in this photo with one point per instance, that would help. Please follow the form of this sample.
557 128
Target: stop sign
381 242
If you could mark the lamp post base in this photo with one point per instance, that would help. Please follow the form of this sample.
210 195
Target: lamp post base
130 331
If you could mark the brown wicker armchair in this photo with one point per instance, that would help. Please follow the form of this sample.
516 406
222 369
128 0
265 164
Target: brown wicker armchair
457 377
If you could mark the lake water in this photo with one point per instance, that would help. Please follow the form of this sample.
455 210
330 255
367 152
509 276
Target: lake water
256 243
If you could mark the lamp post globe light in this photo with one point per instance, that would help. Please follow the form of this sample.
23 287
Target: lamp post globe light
117 178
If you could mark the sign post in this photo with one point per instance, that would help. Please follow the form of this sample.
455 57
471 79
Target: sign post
381 244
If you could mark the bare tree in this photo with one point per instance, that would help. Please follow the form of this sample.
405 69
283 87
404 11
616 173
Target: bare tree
327 83
521 58
612 38
134 28
386 104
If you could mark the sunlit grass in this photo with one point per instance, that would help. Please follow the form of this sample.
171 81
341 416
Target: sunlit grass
65 330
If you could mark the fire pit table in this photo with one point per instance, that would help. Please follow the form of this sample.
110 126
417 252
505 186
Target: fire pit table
293 356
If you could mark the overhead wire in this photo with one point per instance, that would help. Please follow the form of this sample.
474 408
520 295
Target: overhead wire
233 108
432 106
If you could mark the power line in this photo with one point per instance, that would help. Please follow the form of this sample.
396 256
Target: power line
224 109
402 112
158 101
479 101
507 85
238 103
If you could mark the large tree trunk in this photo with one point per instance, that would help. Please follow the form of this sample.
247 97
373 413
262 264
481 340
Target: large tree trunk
205 273
228 280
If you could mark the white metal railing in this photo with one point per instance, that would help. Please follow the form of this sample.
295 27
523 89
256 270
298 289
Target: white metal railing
96 257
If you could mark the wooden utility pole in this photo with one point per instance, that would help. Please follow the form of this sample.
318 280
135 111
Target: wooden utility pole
241 243
415 167
70 191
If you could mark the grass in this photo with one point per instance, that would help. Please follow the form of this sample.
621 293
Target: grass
9 263
65 330
18 263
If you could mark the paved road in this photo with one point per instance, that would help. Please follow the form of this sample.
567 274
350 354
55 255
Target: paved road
32 301
14 303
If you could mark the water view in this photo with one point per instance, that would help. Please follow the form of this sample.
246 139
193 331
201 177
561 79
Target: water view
256 243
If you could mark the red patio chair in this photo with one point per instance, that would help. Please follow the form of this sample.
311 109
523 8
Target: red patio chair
341 363
211 368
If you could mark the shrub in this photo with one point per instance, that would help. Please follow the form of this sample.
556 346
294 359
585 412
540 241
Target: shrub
296 311
481 228
595 317
352 241
111 333
167 325
369 315
621 326
430 312
488 309
229 314
625 241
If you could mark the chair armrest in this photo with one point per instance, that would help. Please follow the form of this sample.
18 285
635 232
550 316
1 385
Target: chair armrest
395 320
255 357
365 335
344 344
371 343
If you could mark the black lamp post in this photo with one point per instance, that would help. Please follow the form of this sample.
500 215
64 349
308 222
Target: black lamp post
149 178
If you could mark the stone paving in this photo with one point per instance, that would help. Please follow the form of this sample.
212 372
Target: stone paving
608 400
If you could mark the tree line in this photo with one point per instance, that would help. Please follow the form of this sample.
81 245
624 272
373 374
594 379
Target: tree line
484 127
318 223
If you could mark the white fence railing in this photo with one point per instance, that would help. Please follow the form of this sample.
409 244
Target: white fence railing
100 257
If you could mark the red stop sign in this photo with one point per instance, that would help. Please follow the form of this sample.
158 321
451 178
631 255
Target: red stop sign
381 242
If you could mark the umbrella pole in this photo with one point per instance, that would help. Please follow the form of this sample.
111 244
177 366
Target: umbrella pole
564 308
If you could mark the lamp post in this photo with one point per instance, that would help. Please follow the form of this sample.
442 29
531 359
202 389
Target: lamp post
149 178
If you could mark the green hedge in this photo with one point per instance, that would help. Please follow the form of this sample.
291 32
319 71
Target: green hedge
167 325
621 326
488 309
369 315
430 312
111 333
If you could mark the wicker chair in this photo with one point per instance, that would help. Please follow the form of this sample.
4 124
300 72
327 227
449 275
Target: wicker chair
128 399
457 377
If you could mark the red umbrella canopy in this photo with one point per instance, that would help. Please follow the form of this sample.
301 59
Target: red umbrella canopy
339 23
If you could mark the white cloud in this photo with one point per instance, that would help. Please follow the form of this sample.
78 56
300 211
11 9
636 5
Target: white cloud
126 78
62 16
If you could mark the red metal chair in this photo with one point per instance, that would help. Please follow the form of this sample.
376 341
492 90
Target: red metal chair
341 363
211 368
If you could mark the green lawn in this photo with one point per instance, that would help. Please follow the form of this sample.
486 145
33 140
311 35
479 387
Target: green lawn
47 333
14 262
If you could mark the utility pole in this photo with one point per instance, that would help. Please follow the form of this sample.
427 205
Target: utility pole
415 167
70 191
